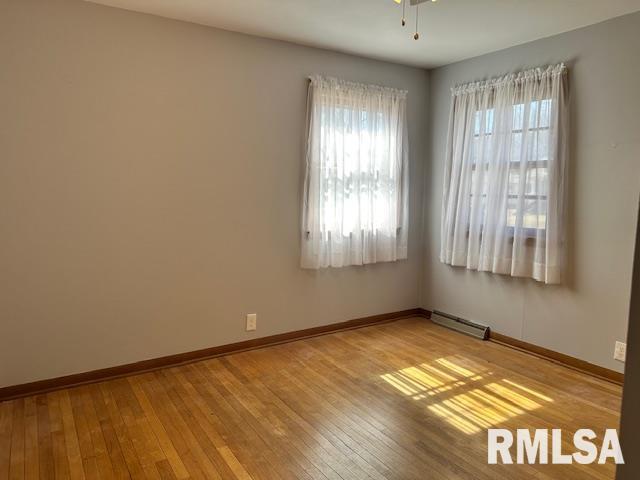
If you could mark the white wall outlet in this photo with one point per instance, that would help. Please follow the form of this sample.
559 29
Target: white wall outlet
620 352
252 320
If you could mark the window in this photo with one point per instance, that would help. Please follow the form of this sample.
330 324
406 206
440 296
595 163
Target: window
359 164
355 184
528 179
504 184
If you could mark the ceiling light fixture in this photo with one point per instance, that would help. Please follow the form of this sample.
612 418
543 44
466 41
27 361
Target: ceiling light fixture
413 3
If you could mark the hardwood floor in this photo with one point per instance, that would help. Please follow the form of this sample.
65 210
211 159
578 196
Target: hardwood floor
401 400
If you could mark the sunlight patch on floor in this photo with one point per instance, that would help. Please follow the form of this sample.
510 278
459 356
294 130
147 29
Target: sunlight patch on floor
470 400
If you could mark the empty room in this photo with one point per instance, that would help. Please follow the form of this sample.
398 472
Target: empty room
320 239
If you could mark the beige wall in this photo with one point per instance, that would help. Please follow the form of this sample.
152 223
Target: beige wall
149 189
586 316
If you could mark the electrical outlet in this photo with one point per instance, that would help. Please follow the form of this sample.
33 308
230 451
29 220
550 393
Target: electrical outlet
620 351
252 320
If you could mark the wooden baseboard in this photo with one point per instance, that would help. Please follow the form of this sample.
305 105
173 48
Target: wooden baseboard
48 385
560 358
551 355
43 386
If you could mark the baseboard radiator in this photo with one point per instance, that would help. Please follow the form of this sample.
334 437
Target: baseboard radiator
460 325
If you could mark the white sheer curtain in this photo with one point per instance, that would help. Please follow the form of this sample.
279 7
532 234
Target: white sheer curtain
504 182
356 182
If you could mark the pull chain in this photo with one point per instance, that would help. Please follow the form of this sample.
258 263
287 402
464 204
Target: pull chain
417 35
403 10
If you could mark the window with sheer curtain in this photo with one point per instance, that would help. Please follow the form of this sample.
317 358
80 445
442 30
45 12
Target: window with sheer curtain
355 192
504 185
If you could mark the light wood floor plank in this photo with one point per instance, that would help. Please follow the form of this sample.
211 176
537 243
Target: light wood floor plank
31 462
16 467
45 443
59 446
124 440
6 430
76 469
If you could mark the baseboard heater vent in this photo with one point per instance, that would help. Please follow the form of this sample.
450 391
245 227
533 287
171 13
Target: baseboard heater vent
460 325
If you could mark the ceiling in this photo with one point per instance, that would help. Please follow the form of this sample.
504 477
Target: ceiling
450 30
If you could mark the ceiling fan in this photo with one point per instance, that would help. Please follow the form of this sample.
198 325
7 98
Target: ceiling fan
412 3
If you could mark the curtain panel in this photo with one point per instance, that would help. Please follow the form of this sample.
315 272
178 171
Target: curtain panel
356 183
504 193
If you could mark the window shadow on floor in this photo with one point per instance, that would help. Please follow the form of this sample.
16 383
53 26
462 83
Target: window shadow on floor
469 397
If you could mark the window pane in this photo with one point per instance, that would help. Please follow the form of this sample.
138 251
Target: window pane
477 122
537 145
514 181
475 153
512 208
489 121
533 213
540 114
483 122
516 147
518 116
537 182
542 151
